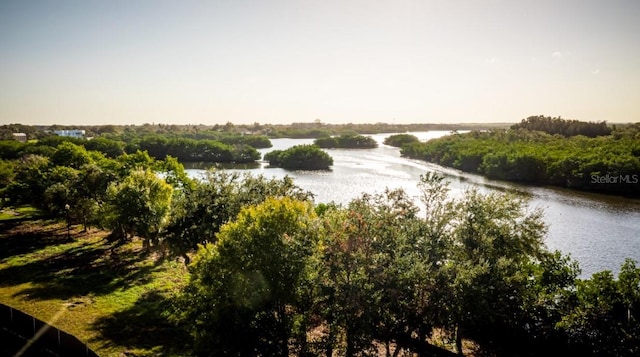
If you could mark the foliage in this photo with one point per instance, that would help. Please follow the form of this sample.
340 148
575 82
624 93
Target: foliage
379 274
11 149
194 150
496 253
318 129
603 319
607 164
346 142
7 176
398 140
71 155
110 148
254 141
29 181
563 127
376 275
199 211
139 205
300 157
7 130
243 295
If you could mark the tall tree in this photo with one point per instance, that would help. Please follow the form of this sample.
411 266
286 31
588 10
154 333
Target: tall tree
242 298
496 241
200 210
138 205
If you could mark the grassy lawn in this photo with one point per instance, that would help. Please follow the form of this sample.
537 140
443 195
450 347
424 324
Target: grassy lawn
27 212
111 296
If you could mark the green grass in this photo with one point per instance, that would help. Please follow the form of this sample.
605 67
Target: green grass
26 212
114 297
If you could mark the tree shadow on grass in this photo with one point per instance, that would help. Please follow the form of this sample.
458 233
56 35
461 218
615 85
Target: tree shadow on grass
17 238
144 325
91 268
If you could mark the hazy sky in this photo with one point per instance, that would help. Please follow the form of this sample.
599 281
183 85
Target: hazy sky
134 62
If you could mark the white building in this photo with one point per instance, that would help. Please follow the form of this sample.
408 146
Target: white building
21 137
70 133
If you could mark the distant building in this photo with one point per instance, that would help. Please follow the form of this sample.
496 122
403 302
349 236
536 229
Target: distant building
70 133
21 137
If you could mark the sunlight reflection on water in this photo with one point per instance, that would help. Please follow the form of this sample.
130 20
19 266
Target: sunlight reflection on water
597 231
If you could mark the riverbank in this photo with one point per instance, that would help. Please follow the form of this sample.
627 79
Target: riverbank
606 164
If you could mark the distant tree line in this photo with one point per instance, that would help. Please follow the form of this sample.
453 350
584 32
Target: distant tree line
318 129
7 131
563 127
255 141
255 134
158 146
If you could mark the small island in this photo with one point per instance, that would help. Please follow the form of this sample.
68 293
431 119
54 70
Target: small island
300 157
398 140
346 142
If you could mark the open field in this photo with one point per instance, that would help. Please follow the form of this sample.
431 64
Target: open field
110 295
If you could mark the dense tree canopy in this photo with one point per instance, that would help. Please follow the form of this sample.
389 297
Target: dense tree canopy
73 183
244 297
300 157
138 205
563 127
606 164
381 275
199 211
346 142
194 150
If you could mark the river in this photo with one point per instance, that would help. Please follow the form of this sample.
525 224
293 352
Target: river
597 231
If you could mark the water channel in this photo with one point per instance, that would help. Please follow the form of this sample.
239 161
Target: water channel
597 231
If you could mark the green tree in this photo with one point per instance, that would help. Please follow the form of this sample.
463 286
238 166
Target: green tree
603 318
110 148
138 205
243 295
496 242
71 155
200 210
7 177
380 276
30 181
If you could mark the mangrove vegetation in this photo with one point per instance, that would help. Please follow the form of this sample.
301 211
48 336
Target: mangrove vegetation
300 157
603 163
346 142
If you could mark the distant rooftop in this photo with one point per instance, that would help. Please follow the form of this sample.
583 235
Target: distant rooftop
22 137
75 133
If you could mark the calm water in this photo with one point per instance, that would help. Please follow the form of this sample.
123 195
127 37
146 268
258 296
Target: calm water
598 231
